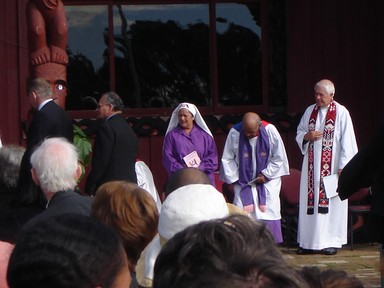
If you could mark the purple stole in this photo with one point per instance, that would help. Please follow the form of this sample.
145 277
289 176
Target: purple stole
326 158
246 167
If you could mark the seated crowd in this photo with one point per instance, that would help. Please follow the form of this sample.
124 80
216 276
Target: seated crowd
123 236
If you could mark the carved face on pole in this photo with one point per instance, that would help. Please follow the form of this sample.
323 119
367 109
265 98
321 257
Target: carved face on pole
59 88
47 45
56 74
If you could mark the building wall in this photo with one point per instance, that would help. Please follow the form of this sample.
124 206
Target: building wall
337 39
9 72
341 40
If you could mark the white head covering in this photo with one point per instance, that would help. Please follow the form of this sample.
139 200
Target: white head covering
189 205
174 121
186 206
145 181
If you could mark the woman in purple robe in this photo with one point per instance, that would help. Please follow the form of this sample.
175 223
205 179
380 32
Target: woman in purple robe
189 142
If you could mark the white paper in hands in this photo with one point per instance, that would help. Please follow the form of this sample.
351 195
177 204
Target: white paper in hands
330 185
257 180
192 159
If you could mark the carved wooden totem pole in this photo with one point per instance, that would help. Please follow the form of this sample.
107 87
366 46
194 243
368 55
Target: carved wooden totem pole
47 37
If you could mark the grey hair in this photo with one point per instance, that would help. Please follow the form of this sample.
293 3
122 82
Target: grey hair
115 100
41 87
10 160
327 85
55 163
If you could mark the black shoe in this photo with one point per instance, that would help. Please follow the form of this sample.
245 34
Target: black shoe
302 251
329 251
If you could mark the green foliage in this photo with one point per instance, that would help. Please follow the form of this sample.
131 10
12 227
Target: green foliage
83 145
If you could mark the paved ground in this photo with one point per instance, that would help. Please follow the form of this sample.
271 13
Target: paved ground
363 261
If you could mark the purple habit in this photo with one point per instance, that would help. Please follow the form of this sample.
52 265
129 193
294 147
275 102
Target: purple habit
178 144
275 227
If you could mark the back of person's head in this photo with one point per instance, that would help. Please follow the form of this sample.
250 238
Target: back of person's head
235 251
10 160
189 205
329 278
182 208
41 87
185 176
130 211
115 100
190 175
55 165
68 251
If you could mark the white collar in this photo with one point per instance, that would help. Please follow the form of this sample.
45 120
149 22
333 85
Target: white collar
43 103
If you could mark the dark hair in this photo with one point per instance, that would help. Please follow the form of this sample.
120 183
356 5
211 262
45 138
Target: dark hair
329 278
66 251
235 251
115 100
185 176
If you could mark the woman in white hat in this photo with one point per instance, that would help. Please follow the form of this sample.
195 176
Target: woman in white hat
189 142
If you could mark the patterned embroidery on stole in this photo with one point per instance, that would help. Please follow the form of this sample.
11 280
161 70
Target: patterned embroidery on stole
326 158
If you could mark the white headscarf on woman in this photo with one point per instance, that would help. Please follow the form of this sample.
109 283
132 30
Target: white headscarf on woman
186 206
174 121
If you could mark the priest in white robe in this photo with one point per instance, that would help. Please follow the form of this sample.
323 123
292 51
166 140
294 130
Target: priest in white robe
326 138
256 182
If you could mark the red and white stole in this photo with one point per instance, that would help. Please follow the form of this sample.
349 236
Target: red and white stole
326 158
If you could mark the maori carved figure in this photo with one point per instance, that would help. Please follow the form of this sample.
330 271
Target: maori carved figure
47 36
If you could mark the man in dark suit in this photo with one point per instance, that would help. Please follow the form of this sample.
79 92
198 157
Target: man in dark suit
366 169
116 146
55 169
49 120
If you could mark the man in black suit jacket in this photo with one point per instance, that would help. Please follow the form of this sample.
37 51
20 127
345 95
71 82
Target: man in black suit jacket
55 169
366 169
115 148
49 120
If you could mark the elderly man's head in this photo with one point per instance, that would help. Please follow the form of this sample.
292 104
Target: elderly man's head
110 103
55 165
251 124
324 92
39 90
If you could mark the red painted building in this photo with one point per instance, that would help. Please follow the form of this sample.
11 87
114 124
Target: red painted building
226 57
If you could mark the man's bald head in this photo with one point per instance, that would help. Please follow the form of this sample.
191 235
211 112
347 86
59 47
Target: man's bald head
251 124
185 177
